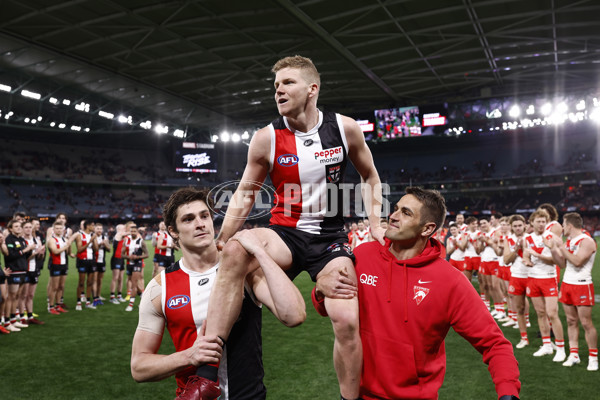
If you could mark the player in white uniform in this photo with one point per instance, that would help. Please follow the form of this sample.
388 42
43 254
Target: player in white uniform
488 247
577 289
455 247
519 273
542 285
361 235
472 257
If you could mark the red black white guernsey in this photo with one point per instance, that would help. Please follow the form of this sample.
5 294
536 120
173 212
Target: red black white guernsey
61 258
307 170
184 300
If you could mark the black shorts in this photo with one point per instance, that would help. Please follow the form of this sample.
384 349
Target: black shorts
101 267
86 266
311 252
160 260
58 269
116 263
2 276
16 279
134 267
32 277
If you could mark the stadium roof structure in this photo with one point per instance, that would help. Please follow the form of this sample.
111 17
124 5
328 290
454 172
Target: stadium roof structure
206 64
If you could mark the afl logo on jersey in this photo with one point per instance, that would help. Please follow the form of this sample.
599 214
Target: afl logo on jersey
178 301
287 160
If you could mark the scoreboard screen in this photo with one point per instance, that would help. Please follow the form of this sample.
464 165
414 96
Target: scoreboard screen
196 157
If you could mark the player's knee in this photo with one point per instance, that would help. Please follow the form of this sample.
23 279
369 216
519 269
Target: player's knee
345 322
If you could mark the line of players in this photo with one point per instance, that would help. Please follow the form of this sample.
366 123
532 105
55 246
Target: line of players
24 248
518 261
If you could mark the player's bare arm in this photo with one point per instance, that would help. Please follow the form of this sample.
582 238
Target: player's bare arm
242 201
271 285
146 364
362 159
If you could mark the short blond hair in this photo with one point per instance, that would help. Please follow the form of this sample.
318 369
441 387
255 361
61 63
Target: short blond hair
304 64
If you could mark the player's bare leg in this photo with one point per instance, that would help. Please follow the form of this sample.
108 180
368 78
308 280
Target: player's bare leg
347 348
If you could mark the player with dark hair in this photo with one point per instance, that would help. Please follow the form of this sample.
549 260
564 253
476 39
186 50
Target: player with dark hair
577 289
305 151
117 265
409 297
85 240
163 249
33 273
134 251
178 299
58 266
455 247
16 252
472 257
102 247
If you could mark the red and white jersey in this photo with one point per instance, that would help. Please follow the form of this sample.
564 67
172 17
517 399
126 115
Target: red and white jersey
463 227
164 239
501 238
184 302
132 247
540 269
99 257
88 252
488 254
306 170
550 225
31 262
517 268
582 275
471 241
360 237
457 254
61 258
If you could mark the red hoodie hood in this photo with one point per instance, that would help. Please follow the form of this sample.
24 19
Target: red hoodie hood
432 251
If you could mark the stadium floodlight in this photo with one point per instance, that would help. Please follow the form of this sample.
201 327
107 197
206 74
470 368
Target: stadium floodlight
62 126
235 137
595 115
245 135
146 125
52 124
5 88
215 138
580 106
178 133
66 102
39 118
161 129
530 110
562 108
225 136
26 120
87 129
106 115
514 111
84 107
53 100
75 128
30 94
125 119
33 121
546 109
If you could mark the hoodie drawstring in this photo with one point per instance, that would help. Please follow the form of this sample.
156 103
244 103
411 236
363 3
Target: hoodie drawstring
405 293
389 297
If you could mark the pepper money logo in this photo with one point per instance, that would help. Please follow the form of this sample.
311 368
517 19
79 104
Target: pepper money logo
263 195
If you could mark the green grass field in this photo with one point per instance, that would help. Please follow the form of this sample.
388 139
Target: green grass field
85 355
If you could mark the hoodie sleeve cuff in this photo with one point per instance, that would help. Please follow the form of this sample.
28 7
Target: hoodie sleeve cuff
507 389
318 304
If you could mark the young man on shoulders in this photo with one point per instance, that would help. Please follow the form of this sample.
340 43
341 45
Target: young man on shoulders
178 299
305 151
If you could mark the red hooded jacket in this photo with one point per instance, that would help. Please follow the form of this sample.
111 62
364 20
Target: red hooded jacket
406 310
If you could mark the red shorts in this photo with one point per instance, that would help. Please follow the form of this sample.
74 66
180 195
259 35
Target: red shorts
472 263
488 267
546 287
517 286
505 273
459 265
577 295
